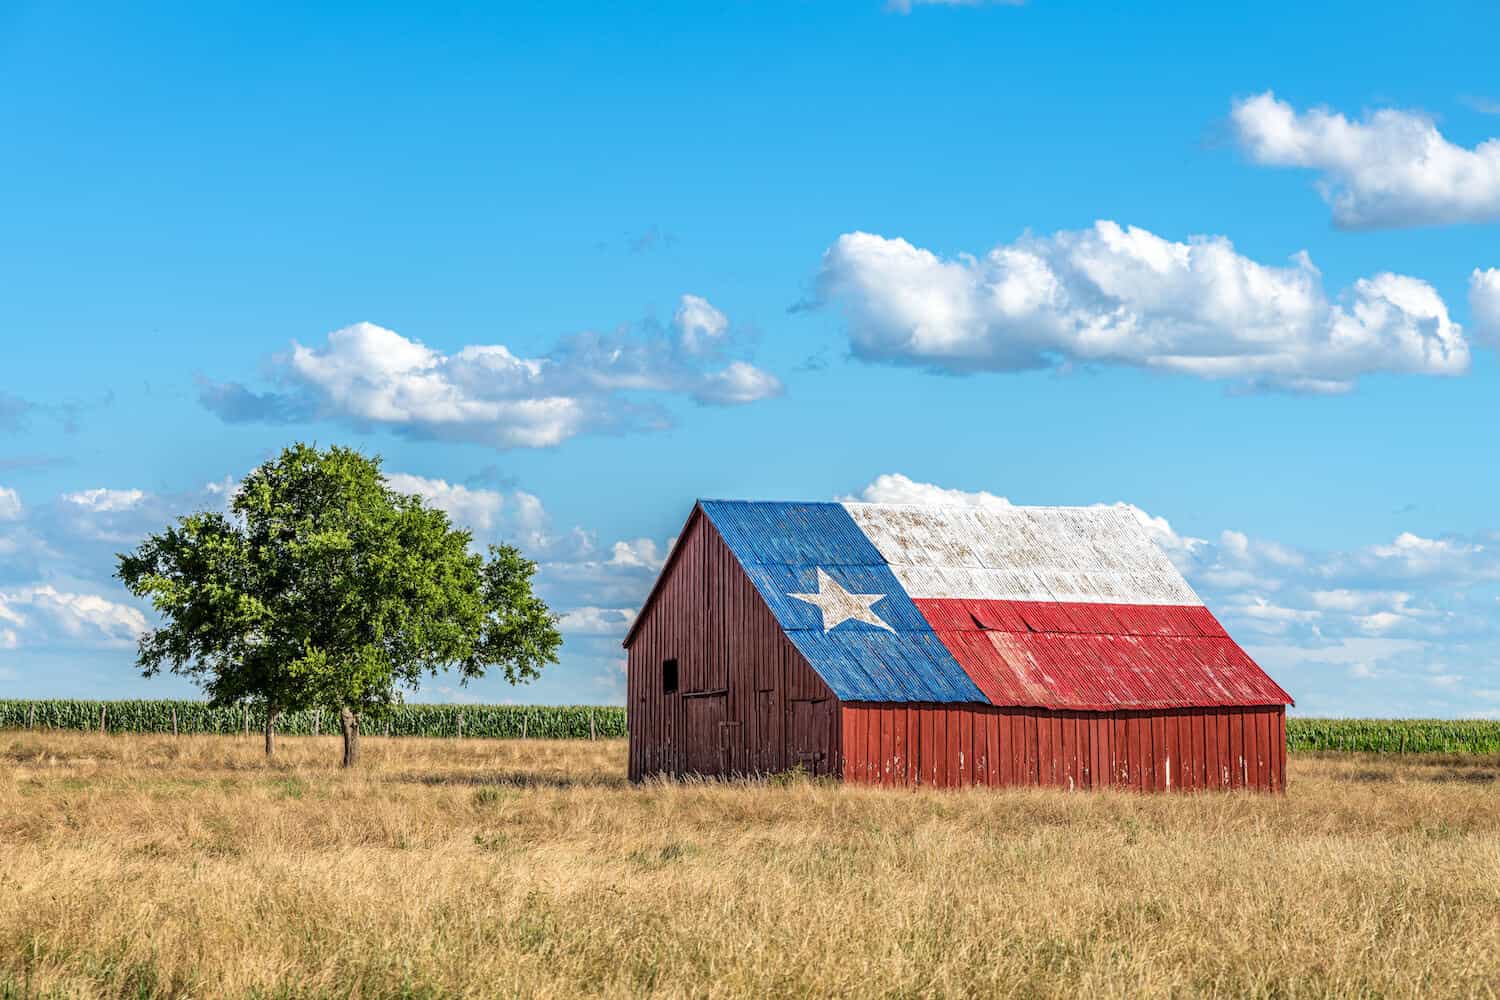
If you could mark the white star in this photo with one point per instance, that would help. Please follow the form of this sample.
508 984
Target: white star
838 605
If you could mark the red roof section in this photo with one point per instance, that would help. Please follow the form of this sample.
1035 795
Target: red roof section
1098 657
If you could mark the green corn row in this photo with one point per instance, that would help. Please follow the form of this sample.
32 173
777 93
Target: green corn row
1394 735
486 721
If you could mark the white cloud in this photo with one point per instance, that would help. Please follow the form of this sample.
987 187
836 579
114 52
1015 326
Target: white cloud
75 615
1411 556
893 487
367 375
641 553
1124 296
597 621
1484 304
736 383
699 325
1393 168
10 505
1263 616
105 501
475 509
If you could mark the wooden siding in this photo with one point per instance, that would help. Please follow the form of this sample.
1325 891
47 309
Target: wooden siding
902 744
747 702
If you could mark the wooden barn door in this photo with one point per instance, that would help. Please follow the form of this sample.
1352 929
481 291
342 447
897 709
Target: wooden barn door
811 737
705 716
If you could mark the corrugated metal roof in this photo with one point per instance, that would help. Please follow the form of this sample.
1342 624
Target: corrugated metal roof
1098 554
1099 657
1056 607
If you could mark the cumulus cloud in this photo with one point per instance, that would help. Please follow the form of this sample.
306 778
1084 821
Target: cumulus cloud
1484 304
1114 295
597 621
76 615
105 501
699 325
10 504
893 487
475 509
638 553
1391 168
367 375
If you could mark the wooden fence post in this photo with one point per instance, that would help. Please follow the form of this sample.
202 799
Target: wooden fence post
591 725
245 712
30 716
101 720
523 725
460 723
174 721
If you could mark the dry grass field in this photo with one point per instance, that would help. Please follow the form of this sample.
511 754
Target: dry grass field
148 866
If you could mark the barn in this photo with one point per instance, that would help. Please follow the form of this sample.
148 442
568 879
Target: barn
946 646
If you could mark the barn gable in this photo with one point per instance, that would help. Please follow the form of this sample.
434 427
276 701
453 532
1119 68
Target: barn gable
743 699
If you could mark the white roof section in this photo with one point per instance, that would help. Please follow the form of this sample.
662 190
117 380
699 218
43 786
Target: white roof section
1099 555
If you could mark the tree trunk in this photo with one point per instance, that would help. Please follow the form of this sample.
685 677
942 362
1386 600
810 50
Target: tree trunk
272 714
349 723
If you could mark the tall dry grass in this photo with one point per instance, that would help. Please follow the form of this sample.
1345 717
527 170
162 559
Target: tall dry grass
135 865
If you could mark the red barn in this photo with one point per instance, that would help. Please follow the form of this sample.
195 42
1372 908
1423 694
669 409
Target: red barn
946 646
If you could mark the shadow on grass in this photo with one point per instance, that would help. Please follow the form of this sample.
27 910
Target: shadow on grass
1444 775
515 779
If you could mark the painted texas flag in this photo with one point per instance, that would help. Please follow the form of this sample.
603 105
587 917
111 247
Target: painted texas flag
1055 607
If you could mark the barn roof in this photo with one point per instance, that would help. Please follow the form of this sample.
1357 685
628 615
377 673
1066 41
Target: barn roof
1053 607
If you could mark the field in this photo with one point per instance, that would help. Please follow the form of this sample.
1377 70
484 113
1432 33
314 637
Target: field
152 866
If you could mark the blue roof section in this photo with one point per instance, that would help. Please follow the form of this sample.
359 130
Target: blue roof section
783 545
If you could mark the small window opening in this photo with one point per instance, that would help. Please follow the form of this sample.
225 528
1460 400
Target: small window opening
669 676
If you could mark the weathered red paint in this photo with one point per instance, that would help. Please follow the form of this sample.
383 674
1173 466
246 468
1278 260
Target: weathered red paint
1078 750
747 702
1098 657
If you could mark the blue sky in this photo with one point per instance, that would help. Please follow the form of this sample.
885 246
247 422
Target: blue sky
1227 266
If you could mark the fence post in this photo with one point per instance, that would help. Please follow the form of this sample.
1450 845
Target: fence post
591 725
317 718
174 721
30 716
101 720
460 722
245 713
523 725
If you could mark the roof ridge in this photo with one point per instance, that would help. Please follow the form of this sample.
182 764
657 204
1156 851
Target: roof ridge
1117 505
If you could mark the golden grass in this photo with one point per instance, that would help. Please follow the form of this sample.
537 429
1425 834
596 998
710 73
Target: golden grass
145 866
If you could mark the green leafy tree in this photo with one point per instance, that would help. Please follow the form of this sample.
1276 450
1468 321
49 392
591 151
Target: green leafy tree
325 588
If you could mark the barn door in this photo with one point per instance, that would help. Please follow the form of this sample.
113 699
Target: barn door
705 734
811 738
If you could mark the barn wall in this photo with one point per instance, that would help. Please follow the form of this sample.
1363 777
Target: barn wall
747 701
957 745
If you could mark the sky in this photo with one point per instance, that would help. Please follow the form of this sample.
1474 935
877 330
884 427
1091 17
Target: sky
566 268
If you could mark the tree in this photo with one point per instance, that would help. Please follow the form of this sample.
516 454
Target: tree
325 588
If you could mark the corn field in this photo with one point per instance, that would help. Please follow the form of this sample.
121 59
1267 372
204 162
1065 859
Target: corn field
608 721
1393 735
487 721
